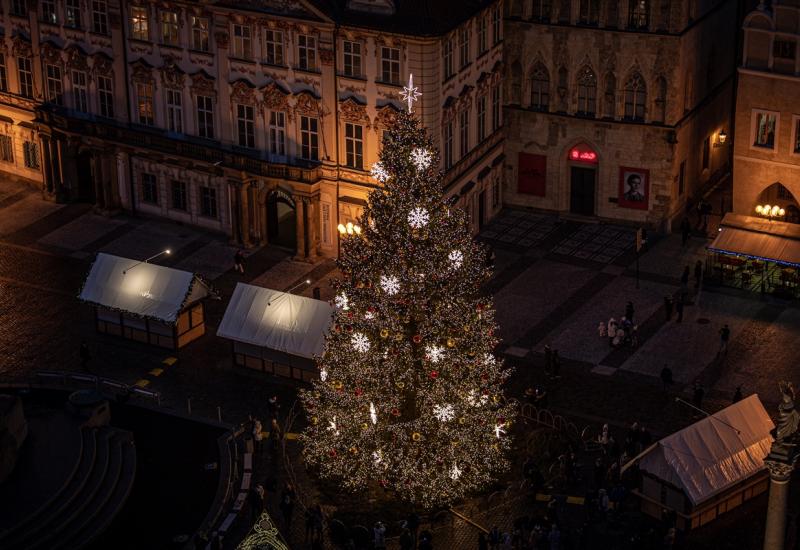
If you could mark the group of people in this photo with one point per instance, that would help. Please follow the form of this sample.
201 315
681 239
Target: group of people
624 333
526 533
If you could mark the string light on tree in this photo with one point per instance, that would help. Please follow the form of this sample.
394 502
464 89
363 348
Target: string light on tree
379 172
418 218
421 158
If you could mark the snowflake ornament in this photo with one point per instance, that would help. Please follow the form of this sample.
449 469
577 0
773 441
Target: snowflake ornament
323 374
421 158
373 414
455 472
443 413
360 342
418 218
499 430
369 316
342 301
379 172
435 353
489 360
377 456
332 426
390 284
476 400
456 258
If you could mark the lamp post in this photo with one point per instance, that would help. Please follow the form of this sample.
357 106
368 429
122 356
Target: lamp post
770 211
153 257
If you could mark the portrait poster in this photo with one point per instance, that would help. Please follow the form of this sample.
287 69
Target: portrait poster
634 188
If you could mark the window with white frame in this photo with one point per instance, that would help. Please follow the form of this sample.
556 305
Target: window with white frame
25 76
144 103
540 88
140 28
6 149
635 97
245 125
354 145
200 34
149 188
447 57
277 133
307 52
80 91
175 110
55 89
105 95
273 47
30 150
587 92
169 28
205 116
3 74
99 16
72 13
208 201
463 132
178 192
463 46
242 42
482 28
19 8
352 58
448 144
49 14
309 138
497 21
765 126
496 110
390 65
481 108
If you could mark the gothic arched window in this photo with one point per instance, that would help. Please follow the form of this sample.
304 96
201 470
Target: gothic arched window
587 92
639 14
540 88
660 114
589 12
635 97
610 96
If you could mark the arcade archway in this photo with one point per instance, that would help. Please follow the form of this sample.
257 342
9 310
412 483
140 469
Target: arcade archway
281 220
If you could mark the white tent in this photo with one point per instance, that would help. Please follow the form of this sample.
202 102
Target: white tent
715 453
276 320
149 290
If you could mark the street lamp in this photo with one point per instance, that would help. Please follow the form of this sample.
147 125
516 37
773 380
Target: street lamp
770 211
349 229
153 257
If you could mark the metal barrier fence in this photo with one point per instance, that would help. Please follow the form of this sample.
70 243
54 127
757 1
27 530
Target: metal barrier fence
98 382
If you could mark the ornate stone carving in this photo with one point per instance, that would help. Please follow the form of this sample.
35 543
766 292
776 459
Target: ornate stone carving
326 56
172 75
222 39
307 104
275 98
788 417
353 111
141 71
243 91
779 470
464 98
102 63
21 47
203 83
76 58
386 116
50 53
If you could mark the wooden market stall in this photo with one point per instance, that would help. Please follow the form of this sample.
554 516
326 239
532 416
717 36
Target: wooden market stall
145 302
276 332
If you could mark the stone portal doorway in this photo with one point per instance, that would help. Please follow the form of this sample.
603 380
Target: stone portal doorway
582 190
281 220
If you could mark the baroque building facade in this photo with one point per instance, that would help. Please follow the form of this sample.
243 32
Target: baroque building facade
257 118
615 107
766 162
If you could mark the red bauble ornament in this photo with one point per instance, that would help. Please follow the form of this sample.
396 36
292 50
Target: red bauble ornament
417 338
384 483
350 314
434 374
359 391
332 453
349 328
395 412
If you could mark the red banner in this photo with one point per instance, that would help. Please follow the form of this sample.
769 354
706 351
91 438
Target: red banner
532 171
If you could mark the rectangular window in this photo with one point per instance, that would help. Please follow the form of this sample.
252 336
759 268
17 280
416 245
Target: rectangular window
19 8
497 21
49 12
273 47
390 65
447 57
175 111
105 92
140 29
326 223
354 145
352 59
765 124
463 132
31 153
200 34
6 149
797 135
72 12
149 188
208 202
178 192
25 74
205 116
169 28
277 132
682 178
144 103
242 42
55 89
307 52
245 125
482 47
706 152
80 92
463 46
99 17
3 75
448 144
783 49
495 108
481 104
309 138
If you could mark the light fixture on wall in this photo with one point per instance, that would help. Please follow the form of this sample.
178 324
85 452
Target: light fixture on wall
770 211
722 139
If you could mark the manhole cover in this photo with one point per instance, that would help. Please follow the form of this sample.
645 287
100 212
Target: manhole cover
703 321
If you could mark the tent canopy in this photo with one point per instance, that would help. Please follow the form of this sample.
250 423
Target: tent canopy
758 238
276 320
709 456
149 290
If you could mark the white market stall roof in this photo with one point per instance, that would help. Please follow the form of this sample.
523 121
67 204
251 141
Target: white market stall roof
758 238
148 290
710 456
276 320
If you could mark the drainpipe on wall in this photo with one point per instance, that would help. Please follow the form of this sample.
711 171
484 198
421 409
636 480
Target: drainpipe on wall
336 131
128 108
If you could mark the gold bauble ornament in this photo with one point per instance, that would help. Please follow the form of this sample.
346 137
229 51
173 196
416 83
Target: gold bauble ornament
462 420
400 384
416 436
451 343
466 328
364 426
360 284
455 442
337 384
353 450
398 336
314 419
384 333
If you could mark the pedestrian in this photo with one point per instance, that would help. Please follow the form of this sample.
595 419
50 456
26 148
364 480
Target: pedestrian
275 434
287 504
668 303
258 436
679 309
738 395
495 538
483 544
686 231
601 329
697 396
698 273
629 311
612 331
666 377
273 407
412 522
379 536
84 354
238 261
724 337
556 364
490 257
685 277
406 540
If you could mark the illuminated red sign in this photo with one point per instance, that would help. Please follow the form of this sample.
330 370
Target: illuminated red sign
581 153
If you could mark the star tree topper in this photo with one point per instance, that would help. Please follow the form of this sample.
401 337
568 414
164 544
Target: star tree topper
410 93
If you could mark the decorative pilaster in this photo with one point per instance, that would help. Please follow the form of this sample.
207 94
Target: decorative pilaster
780 473
300 224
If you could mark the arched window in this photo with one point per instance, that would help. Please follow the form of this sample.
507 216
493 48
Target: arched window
563 89
660 114
612 13
610 97
589 12
639 14
542 10
516 82
663 24
540 88
635 97
564 11
587 92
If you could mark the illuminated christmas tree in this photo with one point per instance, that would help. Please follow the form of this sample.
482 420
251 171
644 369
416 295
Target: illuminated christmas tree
409 395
